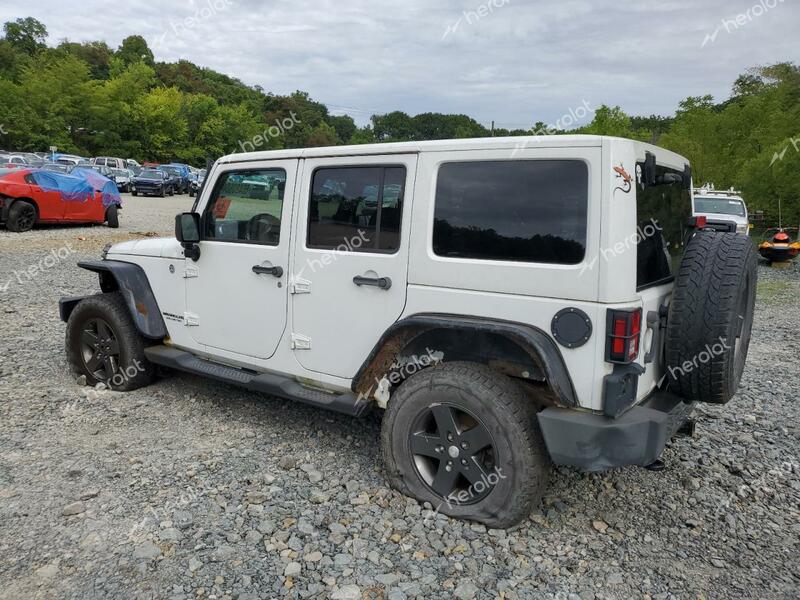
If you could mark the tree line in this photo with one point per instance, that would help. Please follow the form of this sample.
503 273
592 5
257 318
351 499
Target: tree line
90 99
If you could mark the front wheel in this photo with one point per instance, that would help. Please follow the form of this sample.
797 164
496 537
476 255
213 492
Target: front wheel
466 439
112 216
104 345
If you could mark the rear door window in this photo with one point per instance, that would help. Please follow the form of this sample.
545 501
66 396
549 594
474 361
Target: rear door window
356 209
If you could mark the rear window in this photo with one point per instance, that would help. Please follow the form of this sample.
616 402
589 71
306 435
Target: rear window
662 213
527 211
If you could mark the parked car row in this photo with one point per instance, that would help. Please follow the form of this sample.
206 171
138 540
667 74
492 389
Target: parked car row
153 178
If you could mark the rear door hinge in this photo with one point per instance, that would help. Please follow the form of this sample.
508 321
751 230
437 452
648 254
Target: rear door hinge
300 342
191 319
300 286
191 271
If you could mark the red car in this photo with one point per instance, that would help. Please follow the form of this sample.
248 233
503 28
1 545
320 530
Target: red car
32 196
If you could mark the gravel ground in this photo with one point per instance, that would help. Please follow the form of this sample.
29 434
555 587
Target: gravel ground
194 489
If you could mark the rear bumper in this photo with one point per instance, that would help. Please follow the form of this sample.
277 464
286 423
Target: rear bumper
594 442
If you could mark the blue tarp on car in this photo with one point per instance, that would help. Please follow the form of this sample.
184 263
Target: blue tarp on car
79 186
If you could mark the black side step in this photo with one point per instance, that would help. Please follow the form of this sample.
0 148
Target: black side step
267 383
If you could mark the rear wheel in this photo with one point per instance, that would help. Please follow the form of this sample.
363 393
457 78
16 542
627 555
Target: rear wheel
466 439
112 216
161 193
103 344
21 216
711 317
135 193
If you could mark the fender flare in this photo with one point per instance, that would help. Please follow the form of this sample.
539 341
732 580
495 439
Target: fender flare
536 343
131 281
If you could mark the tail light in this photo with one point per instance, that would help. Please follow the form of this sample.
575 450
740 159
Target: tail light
624 328
698 222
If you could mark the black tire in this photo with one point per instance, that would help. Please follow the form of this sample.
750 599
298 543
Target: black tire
135 193
711 317
21 216
103 344
112 216
480 404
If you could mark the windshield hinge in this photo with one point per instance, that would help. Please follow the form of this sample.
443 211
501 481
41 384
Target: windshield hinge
191 271
191 319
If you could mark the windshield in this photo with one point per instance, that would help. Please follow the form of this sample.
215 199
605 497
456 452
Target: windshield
151 175
719 206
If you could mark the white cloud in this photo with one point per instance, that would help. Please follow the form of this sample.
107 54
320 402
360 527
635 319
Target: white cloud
524 62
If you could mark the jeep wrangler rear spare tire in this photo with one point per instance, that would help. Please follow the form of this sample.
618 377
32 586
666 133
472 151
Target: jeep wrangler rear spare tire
711 317
103 344
466 439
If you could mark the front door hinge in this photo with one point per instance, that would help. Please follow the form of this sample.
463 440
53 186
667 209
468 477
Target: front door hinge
191 271
300 286
191 319
300 342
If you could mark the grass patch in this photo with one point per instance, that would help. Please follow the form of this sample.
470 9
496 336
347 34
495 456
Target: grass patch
773 292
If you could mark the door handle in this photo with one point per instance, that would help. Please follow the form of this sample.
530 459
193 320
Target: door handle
380 282
274 271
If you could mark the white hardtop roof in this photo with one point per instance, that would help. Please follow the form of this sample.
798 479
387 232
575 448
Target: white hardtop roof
489 143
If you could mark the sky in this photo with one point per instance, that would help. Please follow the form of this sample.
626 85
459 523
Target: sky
514 62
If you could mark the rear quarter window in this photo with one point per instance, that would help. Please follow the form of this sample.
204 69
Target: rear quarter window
524 210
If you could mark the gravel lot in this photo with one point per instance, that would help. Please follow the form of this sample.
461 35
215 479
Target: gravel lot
194 489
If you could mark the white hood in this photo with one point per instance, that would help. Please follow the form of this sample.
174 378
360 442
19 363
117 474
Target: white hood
158 247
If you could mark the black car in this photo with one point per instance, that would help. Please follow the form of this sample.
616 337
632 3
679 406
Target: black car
152 182
179 183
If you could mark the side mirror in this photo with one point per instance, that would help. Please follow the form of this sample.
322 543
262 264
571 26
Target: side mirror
187 228
187 232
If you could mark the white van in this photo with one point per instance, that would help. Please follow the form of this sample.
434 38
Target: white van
107 161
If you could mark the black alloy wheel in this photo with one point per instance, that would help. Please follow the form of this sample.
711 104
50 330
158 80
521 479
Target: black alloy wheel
452 452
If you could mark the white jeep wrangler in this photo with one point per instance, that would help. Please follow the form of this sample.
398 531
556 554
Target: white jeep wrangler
511 303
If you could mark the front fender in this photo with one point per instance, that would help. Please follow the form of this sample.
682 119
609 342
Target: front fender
131 281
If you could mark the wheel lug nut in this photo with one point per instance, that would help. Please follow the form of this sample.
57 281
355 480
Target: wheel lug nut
449 437
464 445
464 461
448 467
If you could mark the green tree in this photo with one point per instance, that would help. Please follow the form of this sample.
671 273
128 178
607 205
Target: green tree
133 49
96 54
613 121
162 125
27 35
